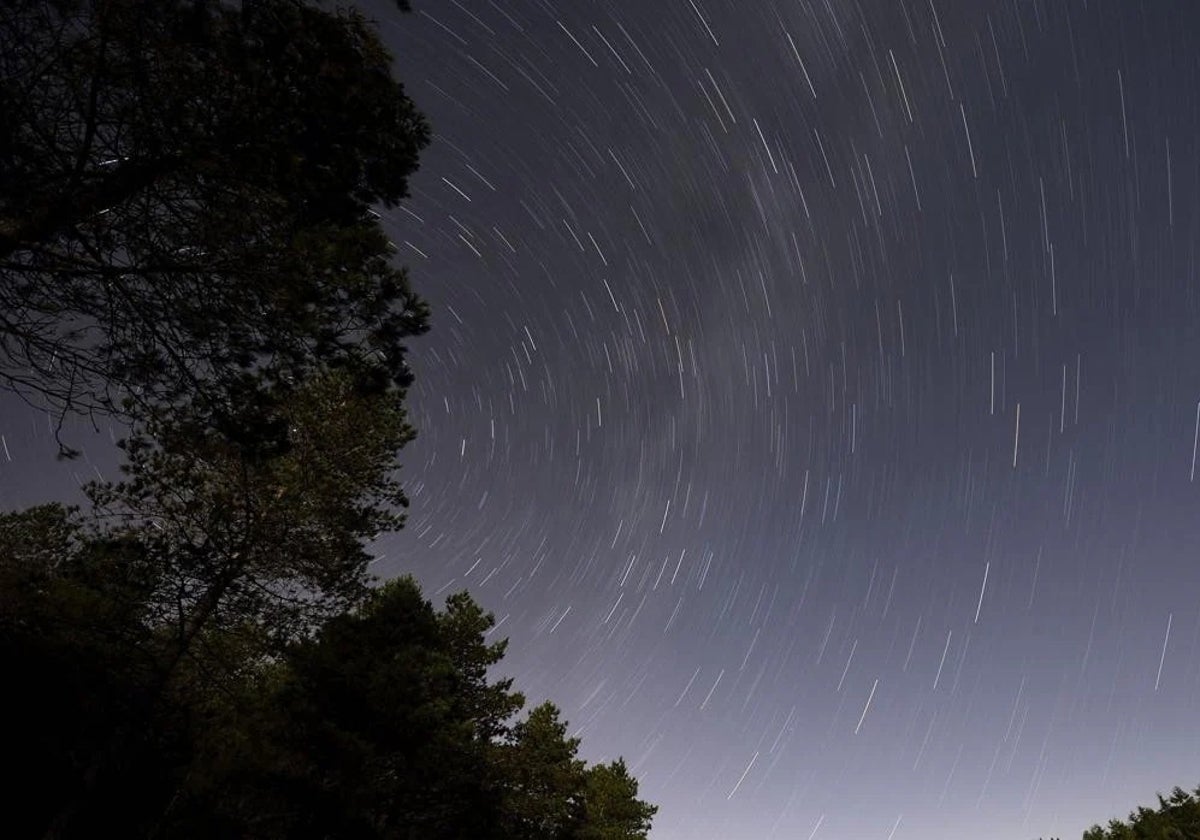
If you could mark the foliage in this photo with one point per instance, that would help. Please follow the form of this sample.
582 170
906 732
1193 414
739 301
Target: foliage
78 660
278 540
390 712
1176 818
132 619
385 725
186 242
185 193
611 809
381 725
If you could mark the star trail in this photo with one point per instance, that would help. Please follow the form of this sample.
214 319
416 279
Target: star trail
813 396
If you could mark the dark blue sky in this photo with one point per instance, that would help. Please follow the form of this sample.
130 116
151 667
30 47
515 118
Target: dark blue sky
813 396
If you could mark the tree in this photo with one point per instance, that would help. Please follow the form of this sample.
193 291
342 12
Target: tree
186 238
79 663
546 780
388 727
381 726
611 809
277 539
186 242
1177 818
384 725
182 579
185 203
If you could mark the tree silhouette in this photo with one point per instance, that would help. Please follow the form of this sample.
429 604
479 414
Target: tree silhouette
383 724
386 725
185 204
1176 818
187 243
201 563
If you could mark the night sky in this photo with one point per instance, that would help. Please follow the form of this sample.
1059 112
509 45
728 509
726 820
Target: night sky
813 395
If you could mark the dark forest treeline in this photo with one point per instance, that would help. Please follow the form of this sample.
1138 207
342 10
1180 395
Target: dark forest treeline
187 247
1176 818
383 723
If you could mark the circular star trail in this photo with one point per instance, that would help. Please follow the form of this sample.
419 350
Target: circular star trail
813 396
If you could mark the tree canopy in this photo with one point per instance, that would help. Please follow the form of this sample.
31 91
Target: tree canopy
185 203
1176 818
187 243
383 724
388 726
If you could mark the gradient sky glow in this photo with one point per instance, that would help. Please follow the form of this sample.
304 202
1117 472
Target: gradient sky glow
813 396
